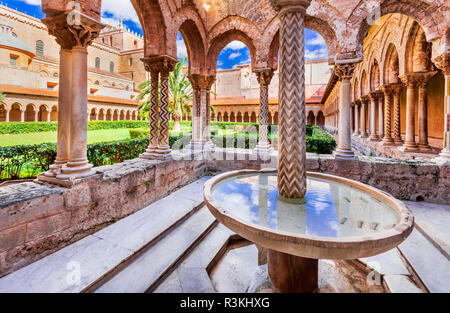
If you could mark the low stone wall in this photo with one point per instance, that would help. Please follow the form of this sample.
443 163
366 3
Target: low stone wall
36 219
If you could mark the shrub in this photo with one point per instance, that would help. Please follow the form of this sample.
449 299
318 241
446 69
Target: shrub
34 127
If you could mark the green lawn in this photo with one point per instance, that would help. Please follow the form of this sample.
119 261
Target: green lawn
94 136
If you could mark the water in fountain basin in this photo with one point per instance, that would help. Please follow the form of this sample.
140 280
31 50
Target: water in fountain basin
332 209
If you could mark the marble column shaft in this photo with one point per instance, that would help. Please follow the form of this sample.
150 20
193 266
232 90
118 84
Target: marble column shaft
410 137
264 77
372 119
357 118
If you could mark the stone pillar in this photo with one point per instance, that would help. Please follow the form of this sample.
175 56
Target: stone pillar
159 112
22 116
397 135
36 116
357 117
373 111
422 81
344 149
364 104
410 137
443 63
264 77
387 140
381 116
88 116
201 116
292 119
7 115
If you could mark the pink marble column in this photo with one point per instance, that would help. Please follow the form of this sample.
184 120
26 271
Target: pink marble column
344 149
410 137
357 118
380 116
443 63
423 80
22 116
7 115
373 111
364 104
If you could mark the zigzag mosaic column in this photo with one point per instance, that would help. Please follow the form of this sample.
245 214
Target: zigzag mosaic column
154 109
166 65
292 115
264 77
344 149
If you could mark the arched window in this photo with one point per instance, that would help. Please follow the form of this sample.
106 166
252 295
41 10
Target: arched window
40 48
97 63
111 67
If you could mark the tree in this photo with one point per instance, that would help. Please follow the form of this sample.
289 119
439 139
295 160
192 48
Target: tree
180 94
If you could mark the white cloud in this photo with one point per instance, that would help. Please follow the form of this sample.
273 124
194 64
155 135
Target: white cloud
181 49
119 10
235 45
32 2
317 41
321 53
234 55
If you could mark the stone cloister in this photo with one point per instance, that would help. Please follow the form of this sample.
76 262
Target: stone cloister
80 197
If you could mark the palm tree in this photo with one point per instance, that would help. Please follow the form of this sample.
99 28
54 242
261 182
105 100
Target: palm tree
180 94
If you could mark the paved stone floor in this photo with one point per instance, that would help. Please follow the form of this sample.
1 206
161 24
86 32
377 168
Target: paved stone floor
175 245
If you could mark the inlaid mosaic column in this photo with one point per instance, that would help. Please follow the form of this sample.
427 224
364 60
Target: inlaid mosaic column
71 161
344 148
357 117
387 140
292 115
443 63
410 137
264 77
167 65
372 119
422 82
152 67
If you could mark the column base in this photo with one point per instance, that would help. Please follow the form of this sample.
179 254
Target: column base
356 133
374 138
424 148
364 135
443 158
150 153
344 154
76 170
409 147
388 141
292 274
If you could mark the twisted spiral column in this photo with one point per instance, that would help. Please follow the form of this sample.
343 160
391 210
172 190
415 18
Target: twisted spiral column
264 77
387 140
397 135
292 116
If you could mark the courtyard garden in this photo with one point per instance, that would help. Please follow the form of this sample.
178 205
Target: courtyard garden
27 149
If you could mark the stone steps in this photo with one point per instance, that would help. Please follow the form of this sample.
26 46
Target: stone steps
150 268
86 264
426 262
191 276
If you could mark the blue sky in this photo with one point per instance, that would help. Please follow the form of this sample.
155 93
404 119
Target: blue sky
234 54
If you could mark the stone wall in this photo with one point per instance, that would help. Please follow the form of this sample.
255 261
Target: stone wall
36 220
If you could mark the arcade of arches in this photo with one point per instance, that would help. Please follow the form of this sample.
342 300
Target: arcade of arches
388 81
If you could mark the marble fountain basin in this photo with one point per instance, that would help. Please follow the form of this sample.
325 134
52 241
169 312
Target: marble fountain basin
342 219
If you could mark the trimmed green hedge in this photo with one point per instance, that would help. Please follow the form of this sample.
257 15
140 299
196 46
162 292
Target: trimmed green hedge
34 127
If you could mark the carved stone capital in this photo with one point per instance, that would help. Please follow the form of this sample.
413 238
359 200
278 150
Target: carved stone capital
264 76
202 82
300 5
389 89
345 71
442 62
418 78
73 29
163 64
